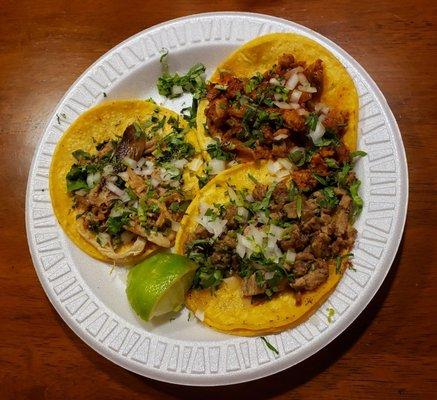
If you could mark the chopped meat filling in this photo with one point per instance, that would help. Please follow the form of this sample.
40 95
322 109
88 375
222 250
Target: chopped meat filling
269 114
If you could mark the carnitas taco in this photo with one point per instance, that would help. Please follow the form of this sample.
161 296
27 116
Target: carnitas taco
276 93
122 177
271 240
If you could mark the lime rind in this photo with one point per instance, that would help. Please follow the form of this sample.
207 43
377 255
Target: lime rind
158 284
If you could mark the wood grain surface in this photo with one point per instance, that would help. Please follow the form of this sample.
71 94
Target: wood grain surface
389 352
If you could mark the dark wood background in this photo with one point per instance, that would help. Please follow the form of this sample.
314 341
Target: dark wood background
389 352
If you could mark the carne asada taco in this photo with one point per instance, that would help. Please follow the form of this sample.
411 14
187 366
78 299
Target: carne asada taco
275 93
122 177
271 240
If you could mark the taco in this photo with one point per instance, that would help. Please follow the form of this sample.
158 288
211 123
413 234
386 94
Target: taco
122 177
271 241
275 93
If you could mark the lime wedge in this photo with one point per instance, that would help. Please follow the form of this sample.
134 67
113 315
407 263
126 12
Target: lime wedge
158 284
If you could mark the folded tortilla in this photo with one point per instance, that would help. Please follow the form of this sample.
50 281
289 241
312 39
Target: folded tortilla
105 121
260 54
226 309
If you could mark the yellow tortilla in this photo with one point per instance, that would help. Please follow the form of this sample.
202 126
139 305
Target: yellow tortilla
226 309
103 122
260 54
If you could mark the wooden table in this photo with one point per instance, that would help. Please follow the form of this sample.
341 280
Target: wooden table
389 352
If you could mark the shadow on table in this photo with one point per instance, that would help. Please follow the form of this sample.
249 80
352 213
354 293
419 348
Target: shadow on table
263 388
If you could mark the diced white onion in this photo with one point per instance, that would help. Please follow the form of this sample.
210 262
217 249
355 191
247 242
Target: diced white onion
285 163
232 163
179 164
177 90
295 96
280 137
92 179
124 176
262 217
195 164
114 189
286 106
215 227
217 166
292 81
273 166
321 107
125 197
308 89
243 212
290 256
111 178
141 162
275 82
241 250
249 244
297 149
276 231
108 169
148 168
257 234
203 207
232 195
129 162
175 226
282 174
318 132
154 182
303 79
103 238
249 198
81 192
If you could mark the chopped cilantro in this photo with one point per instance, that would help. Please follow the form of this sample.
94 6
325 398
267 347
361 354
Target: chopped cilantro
298 198
356 198
320 179
311 121
115 224
342 175
215 150
358 153
330 315
81 155
253 83
269 345
253 179
339 261
297 157
192 82
331 163
329 200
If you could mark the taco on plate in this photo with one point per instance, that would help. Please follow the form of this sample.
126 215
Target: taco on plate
275 93
122 177
271 240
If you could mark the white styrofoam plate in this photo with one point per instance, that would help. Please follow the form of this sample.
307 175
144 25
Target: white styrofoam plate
90 296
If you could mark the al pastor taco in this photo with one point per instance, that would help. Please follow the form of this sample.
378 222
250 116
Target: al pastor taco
276 93
122 177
